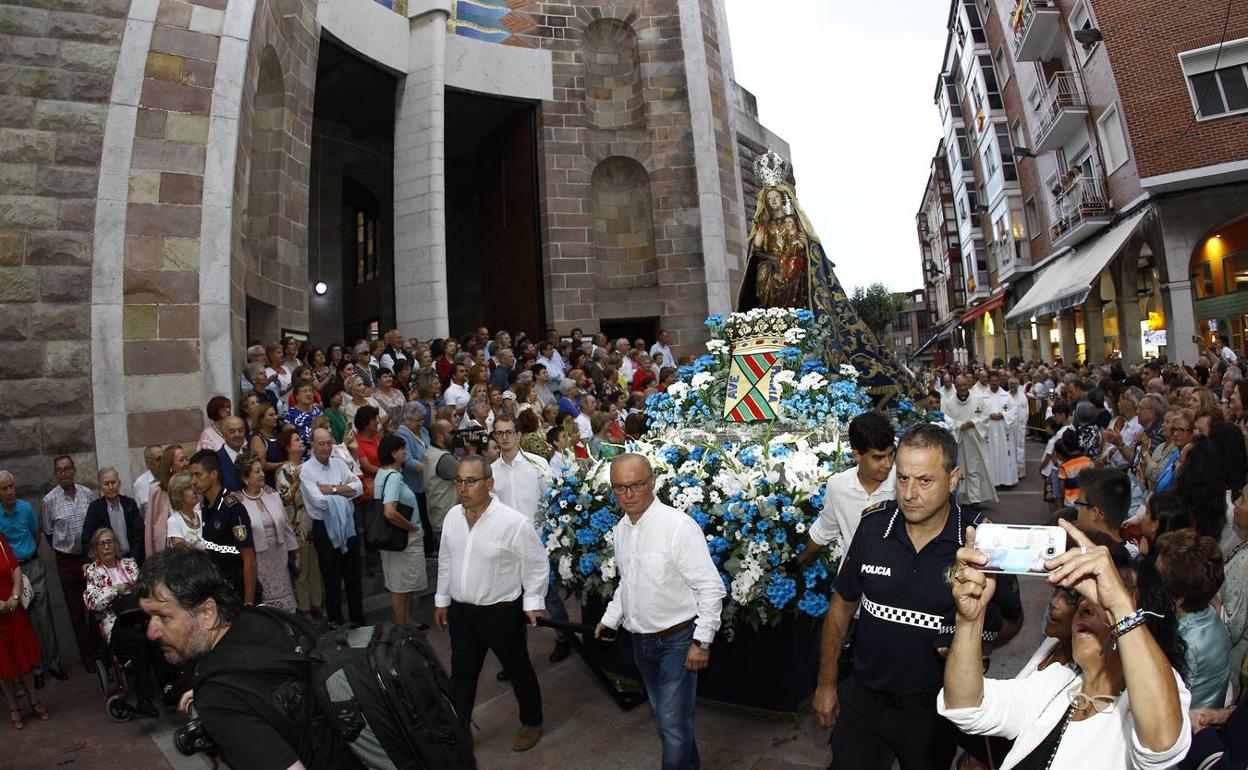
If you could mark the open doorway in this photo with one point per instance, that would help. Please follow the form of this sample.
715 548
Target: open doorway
351 219
493 247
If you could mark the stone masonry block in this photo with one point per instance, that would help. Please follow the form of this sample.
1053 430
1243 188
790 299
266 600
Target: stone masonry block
27 211
144 186
174 13
64 284
151 124
27 146
175 426
23 21
22 436
17 112
40 82
161 356
19 178
79 26
64 181
89 57
50 398
12 248
20 361
90 87
168 156
139 322
181 188
181 254
70 116
76 150
57 247
179 322
67 434
183 42
144 252
14 323
164 66
175 221
176 97
191 129
174 287
61 322
76 214
67 359
37 51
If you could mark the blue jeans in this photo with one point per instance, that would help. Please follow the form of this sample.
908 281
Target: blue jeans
672 690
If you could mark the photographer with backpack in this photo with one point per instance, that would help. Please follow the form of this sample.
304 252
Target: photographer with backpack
196 615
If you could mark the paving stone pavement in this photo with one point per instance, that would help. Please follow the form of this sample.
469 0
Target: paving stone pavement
584 728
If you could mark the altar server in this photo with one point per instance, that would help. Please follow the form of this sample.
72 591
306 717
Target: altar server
1000 432
966 418
669 597
1022 413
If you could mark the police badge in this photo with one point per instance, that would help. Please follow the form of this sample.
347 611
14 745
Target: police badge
240 532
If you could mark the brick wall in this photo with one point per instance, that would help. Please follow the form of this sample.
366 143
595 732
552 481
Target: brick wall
1143 49
56 65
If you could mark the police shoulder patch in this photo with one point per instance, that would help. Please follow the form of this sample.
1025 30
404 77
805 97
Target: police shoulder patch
881 506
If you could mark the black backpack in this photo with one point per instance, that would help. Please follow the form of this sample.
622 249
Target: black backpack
380 688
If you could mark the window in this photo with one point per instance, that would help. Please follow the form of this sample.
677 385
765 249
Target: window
1081 18
1113 141
972 201
977 26
1217 78
1008 168
990 82
990 160
1202 279
1033 215
955 101
961 209
1235 268
1002 66
1020 139
964 149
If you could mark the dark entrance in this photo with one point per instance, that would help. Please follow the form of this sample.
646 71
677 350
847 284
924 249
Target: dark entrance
630 328
351 219
493 250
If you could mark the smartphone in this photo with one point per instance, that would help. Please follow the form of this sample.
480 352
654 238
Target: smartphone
1019 549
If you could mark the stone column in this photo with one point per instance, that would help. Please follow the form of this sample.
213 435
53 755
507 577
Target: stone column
1093 330
1180 322
1129 326
1066 329
420 296
1041 347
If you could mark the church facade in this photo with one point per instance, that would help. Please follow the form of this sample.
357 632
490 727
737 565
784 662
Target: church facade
182 178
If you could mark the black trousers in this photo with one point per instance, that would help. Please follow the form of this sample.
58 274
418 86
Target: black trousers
872 727
338 568
498 628
132 643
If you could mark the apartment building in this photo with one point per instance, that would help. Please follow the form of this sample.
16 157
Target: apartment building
941 254
1097 159
913 325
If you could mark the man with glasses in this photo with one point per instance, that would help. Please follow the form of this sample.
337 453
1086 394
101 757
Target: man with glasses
521 480
64 513
328 487
669 597
1104 500
492 573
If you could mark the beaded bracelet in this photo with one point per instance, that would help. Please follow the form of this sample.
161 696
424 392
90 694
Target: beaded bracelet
1130 621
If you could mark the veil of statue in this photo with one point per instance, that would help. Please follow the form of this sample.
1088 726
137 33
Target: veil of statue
788 268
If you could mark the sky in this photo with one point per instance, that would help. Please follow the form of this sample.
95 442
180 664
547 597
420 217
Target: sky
849 85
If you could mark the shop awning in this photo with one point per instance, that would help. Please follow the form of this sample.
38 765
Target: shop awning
991 304
1066 282
937 337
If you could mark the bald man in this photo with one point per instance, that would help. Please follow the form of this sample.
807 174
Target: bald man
235 432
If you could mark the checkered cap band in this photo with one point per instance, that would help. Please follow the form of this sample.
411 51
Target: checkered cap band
902 616
211 546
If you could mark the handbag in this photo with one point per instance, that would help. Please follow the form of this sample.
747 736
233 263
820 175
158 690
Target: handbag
379 532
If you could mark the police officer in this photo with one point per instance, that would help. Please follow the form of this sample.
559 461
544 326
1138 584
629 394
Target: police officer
226 526
895 569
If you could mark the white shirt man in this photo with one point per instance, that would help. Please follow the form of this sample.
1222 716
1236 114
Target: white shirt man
844 499
661 346
1228 355
328 486
498 559
521 482
456 395
143 484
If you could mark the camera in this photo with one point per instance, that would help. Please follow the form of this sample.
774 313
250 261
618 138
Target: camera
190 738
474 435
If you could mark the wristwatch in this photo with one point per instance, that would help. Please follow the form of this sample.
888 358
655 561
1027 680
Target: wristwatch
701 645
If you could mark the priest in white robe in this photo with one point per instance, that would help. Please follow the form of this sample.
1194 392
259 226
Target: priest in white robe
968 421
1000 432
1023 413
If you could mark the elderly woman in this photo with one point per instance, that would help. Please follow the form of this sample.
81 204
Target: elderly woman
389 398
358 390
308 589
213 437
302 413
19 649
155 529
263 439
186 524
1125 706
110 589
1191 570
277 551
404 570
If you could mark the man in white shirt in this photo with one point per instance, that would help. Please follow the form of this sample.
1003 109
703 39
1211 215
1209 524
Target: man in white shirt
521 480
456 394
546 355
669 597
491 568
589 405
1226 354
328 487
663 345
143 484
853 490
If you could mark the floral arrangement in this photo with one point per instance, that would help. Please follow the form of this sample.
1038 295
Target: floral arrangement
754 489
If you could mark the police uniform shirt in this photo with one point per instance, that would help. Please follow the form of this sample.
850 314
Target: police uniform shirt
905 602
226 529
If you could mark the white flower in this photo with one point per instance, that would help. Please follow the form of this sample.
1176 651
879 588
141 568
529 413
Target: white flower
607 568
794 335
565 567
784 377
701 380
849 372
799 527
677 390
716 347
812 381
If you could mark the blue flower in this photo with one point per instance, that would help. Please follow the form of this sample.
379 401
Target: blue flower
804 317
780 591
586 537
589 563
781 450
669 454
813 604
714 321
700 516
749 455
603 521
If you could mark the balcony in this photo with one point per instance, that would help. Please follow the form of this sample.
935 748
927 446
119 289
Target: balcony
1036 27
1009 256
1061 111
1081 207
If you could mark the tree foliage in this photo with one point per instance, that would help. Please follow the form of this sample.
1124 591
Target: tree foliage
876 306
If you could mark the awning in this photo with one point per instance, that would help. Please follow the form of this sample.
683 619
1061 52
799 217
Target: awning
938 336
991 304
1066 282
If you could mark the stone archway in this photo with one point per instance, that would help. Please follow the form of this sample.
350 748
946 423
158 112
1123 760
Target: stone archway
623 236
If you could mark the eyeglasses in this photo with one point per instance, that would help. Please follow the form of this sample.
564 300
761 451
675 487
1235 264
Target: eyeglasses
633 488
506 433
67 469
1084 504
104 542
1101 704
467 482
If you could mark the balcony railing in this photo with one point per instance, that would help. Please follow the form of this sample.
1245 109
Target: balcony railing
1081 206
1036 26
1061 111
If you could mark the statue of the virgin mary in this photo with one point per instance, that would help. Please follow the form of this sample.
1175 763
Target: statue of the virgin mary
788 268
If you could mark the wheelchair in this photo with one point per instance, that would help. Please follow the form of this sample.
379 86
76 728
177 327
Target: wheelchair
114 670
